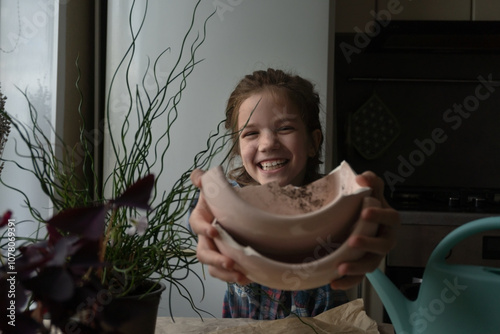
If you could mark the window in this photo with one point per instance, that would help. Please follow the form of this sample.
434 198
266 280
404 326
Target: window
28 58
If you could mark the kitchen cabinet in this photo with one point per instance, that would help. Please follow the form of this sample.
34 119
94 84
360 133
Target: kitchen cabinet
428 10
358 15
486 10
354 15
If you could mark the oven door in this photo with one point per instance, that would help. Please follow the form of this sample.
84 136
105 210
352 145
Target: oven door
426 122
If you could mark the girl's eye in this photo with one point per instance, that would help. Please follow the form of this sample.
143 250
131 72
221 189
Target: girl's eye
286 128
249 134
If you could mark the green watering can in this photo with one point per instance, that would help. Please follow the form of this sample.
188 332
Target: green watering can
452 298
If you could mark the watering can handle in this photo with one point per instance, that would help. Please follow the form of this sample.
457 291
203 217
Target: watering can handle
461 233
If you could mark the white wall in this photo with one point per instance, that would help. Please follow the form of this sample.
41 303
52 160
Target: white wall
244 35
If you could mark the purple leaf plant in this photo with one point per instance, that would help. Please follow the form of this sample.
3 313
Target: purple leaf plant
58 277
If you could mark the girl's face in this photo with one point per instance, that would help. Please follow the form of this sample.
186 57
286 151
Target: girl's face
274 143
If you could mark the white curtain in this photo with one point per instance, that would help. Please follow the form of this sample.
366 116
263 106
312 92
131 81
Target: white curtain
28 55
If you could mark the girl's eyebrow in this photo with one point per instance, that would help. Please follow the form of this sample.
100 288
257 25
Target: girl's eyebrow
247 126
287 118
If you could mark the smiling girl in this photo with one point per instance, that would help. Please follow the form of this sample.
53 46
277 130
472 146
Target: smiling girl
274 117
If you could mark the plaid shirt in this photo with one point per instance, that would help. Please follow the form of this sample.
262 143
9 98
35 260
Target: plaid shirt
259 302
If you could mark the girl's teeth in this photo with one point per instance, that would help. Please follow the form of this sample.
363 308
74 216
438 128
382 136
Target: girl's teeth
272 165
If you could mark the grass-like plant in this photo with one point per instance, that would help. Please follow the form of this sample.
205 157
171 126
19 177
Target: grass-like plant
128 249
4 127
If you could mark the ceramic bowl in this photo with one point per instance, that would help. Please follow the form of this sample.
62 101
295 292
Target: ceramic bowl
286 222
312 272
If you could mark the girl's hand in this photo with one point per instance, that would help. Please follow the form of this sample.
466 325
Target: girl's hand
219 266
377 247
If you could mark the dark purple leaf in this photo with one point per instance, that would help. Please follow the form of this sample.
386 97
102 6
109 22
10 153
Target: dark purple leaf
5 218
43 254
62 249
83 298
33 257
85 257
138 194
54 234
51 283
87 222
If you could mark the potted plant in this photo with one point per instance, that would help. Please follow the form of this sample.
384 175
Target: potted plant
122 234
64 274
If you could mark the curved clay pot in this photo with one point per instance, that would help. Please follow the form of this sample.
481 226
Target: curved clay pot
290 221
313 271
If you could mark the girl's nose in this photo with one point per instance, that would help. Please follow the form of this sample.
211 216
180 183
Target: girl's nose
268 141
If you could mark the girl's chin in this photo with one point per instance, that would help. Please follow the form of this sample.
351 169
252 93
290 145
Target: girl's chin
267 177
282 177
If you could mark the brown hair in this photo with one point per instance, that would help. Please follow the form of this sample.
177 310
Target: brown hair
297 90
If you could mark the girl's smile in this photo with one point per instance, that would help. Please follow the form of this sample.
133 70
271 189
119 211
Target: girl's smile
274 142
272 165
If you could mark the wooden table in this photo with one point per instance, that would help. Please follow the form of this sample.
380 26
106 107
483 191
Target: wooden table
347 318
165 325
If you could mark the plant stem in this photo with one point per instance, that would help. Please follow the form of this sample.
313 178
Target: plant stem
104 244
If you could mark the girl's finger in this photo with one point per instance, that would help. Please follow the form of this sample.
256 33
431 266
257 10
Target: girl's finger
228 276
367 264
207 253
380 245
383 216
196 177
346 282
219 266
201 219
